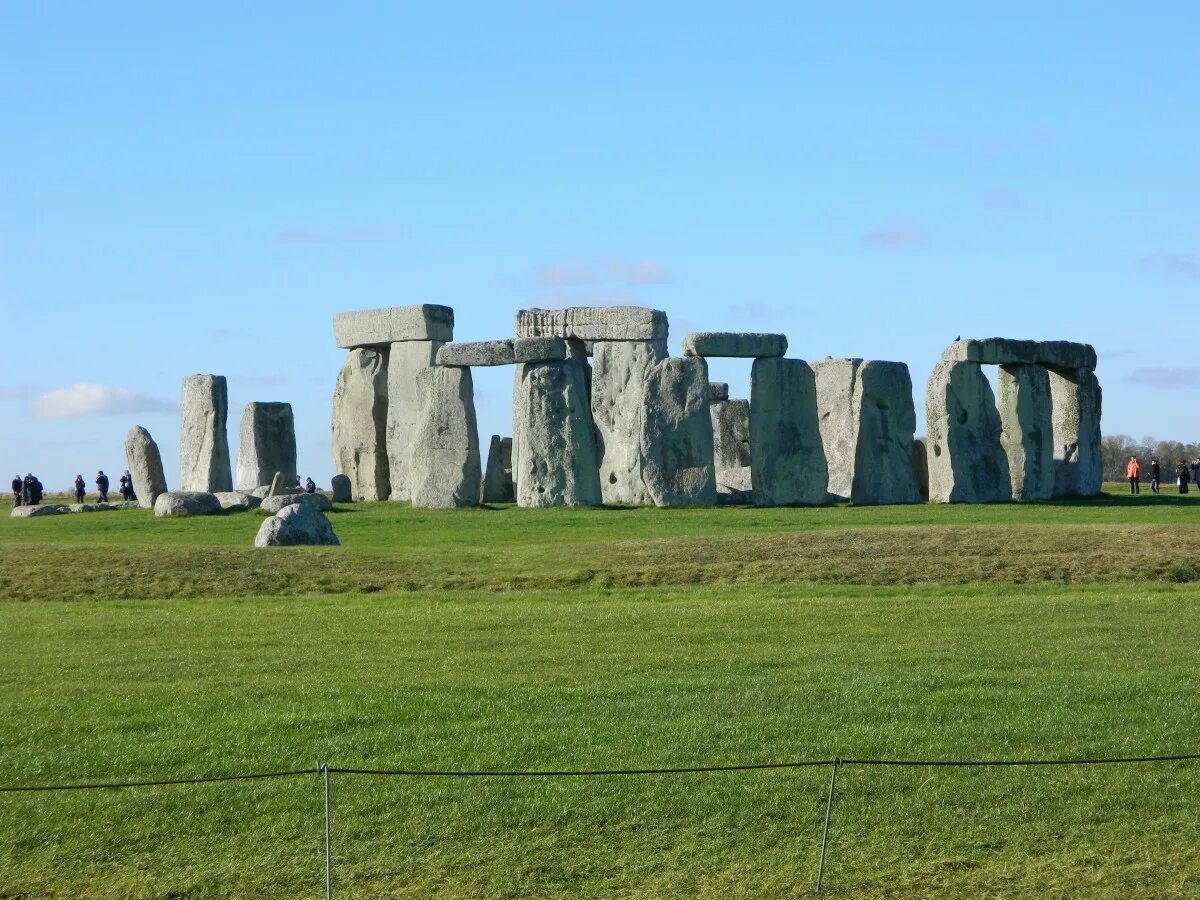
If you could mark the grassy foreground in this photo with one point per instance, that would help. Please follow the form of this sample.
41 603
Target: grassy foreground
611 638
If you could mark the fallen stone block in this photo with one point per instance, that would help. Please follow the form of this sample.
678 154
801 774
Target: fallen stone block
539 349
476 353
203 443
787 458
297 525
36 512
317 501
359 426
186 503
734 344
677 435
1006 351
237 501
965 460
381 327
145 466
594 323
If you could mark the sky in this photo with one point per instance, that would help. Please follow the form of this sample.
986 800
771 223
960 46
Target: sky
200 189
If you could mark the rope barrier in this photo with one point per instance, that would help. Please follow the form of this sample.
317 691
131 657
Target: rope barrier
205 779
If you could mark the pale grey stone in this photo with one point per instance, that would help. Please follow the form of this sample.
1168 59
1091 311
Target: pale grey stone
920 461
298 525
718 391
835 382
731 434
360 418
787 458
539 349
498 477
734 343
1077 402
677 435
32 512
262 492
555 464
618 401
203 442
594 323
280 485
1027 430
317 501
476 353
965 460
1006 351
93 507
145 466
237 501
735 486
343 488
266 444
186 503
380 327
407 359
444 470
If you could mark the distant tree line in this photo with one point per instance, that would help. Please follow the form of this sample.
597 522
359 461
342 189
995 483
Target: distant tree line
1115 450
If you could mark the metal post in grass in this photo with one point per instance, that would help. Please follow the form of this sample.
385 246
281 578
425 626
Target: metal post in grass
828 817
324 769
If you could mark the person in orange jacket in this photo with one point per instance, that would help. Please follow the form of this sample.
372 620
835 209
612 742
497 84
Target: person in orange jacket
1133 471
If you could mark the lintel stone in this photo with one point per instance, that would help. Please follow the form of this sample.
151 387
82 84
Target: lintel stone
476 353
735 344
594 323
1009 352
539 349
375 327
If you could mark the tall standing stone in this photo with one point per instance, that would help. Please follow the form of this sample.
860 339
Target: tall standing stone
406 361
497 476
203 442
360 403
731 448
835 383
266 444
787 457
145 466
1077 402
618 393
553 439
444 470
677 435
966 462
1027 430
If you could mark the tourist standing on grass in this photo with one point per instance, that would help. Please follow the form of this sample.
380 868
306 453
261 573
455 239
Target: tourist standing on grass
1155 472
16 489
102 486
31 490
1133 471
79 489
127 486
1194 470
1182 477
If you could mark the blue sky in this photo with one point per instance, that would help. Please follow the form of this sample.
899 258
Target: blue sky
200 190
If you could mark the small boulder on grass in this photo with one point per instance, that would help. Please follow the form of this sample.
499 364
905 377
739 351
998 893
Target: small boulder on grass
186 503
296 525
319 502
237 501
29 512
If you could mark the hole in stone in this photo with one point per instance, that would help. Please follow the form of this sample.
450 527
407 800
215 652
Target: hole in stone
612 477
937 450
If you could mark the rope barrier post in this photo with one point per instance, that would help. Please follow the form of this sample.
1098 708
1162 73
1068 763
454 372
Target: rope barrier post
324 769
828 816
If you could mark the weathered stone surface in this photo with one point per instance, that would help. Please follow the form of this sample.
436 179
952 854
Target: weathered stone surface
476 353
594 323
677 435
360 417
406 360
1005 351
299 525
1077 402
262 492
32 512
735 486
498 478
965 460
734 343
787 458
145 466
717 391
317 501
186 503
1026 430
920 461
444 470
867 418
266 444
618 400
203 442
731 434
555 464
343 488
380 327
539 349
237 501
280 485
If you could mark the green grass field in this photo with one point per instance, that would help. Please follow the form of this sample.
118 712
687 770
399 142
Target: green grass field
522 639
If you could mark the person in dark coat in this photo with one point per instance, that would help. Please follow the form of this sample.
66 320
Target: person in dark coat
1182 477
17 488
79 489
127 486
1155 474
310 486
102 486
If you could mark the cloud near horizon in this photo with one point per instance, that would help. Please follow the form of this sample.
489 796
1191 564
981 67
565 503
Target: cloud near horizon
84 399
1182 265
901 235
1167 377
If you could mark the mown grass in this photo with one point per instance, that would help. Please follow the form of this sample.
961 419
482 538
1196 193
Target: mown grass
701 637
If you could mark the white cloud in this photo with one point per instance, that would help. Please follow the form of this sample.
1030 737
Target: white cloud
85 399
897 235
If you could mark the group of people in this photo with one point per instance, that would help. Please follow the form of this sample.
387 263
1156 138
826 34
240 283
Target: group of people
28 491
1185 474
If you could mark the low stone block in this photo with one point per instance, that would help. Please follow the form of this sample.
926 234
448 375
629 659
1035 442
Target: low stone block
735 344
498 477
539 349
342 488
1007 351
36 512
299 525
237 501
379 327
735 486
718 391
594 323
186 503
317 501
476 353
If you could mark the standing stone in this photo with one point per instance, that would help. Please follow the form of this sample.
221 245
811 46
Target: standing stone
787 464
618 394
920 462
1077 401
497 479
966 462
444 470
555 463
360 408
279 486
145 466
731 448
342 488
835 384
266 444
677 435
1027 430
203 443
406 360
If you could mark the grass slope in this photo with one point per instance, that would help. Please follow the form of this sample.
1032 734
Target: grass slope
517 639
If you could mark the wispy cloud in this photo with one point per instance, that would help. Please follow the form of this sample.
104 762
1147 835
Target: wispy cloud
85 399
607 270
1180 265
1166 377
341 234
898 235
